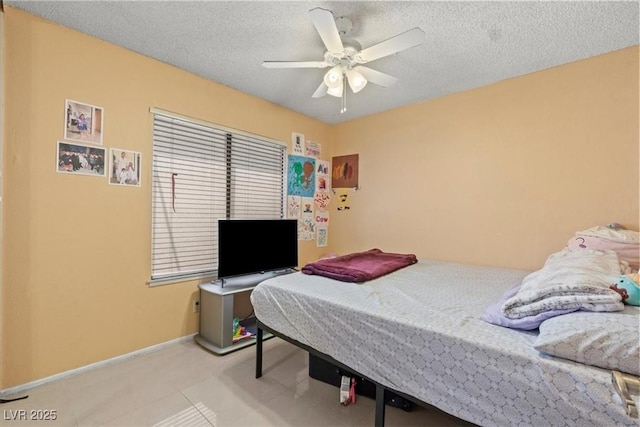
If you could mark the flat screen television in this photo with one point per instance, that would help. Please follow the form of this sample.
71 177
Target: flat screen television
249 246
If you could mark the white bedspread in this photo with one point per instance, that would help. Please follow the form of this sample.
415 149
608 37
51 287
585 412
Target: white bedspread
417 331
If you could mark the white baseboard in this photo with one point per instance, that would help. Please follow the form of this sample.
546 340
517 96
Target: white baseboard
24 387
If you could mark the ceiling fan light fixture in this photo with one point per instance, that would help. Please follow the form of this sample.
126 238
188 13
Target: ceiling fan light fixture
357 81
335 91
333 77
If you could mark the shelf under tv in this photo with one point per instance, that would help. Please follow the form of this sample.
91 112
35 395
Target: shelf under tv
216 311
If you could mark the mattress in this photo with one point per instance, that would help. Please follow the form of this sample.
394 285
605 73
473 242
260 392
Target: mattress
417 331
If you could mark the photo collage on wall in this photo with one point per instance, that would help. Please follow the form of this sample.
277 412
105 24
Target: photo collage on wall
81 151
308 192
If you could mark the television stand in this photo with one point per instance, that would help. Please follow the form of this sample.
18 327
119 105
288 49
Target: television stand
216 311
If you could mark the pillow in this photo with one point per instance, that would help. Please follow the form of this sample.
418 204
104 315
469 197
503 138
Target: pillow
625 243
606 340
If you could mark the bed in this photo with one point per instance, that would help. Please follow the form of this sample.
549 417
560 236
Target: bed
417 332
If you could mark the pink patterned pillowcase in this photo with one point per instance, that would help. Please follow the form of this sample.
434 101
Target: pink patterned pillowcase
625 243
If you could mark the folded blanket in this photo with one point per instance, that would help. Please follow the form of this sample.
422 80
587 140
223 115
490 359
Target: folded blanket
493 313
568 280
360 266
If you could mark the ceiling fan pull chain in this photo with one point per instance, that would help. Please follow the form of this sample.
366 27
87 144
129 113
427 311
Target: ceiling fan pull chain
344 96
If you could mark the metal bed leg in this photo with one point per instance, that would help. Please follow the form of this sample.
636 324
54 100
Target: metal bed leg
258 353
379 420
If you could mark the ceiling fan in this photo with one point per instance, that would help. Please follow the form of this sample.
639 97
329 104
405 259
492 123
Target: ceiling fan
345 56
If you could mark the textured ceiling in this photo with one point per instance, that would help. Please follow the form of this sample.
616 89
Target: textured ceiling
468 44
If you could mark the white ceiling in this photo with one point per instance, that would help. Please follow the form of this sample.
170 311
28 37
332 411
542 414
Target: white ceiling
468 44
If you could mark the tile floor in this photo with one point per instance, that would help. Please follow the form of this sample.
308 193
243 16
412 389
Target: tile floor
185 385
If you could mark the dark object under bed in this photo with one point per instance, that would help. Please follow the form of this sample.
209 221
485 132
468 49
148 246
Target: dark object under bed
382 395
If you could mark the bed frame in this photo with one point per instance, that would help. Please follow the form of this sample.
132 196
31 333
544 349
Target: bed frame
533 379
382 392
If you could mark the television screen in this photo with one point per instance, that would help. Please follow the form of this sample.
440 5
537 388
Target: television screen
247 246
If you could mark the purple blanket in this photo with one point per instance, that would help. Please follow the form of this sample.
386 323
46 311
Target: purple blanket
360 266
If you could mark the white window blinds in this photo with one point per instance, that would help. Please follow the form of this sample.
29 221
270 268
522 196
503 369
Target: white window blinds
202 173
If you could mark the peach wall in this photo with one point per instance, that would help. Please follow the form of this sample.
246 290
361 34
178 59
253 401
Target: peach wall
76 251
501 175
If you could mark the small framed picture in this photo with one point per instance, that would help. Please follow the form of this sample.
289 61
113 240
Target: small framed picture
124 167
81 159
83 122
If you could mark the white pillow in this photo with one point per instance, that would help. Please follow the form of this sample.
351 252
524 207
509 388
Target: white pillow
606 340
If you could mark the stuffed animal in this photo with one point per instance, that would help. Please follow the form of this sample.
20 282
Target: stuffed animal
627 286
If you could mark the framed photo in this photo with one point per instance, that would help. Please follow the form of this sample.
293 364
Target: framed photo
124 167
83 122
80 159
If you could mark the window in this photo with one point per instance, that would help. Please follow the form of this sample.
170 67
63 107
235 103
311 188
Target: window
202 173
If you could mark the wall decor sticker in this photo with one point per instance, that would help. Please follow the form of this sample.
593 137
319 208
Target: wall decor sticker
312 149
343 201
322 238
293 207
297 143
124 167
344 171
83 122
301 176
80 159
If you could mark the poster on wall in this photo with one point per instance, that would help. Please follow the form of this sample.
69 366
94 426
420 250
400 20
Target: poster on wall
344 171
124 167
313 149
80 159
322 218
307 207
301 176
83 122
322 199
306 228
322 176
293 207
322 237
297 143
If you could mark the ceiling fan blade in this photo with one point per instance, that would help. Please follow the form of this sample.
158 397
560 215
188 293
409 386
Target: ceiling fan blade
295 64
325 24
411 38
321 91
376 77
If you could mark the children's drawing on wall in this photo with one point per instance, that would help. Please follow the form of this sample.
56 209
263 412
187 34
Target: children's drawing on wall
344 171
293 207
307 228
301 176
322 175
124 167
343 201
322 200
322 238
297 143
322 218
312 149
81 159
307 207
83 122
